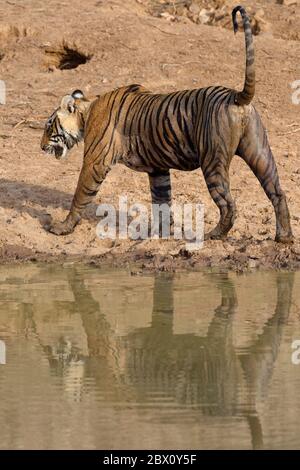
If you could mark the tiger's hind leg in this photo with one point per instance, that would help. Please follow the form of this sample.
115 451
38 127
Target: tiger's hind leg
160 187
255 150
217 180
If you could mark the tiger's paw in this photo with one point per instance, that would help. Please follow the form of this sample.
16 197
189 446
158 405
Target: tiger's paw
215 235
59 228
286 239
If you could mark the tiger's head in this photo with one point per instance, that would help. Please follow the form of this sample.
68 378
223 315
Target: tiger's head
65 127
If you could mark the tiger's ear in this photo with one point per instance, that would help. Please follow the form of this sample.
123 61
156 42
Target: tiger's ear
77 94
68 104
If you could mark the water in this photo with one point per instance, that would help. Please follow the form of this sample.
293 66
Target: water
99 359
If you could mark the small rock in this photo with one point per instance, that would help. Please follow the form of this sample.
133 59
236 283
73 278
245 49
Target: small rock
194 9
167 16
252 263
204 16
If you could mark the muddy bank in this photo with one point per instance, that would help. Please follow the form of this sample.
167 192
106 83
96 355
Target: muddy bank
161 256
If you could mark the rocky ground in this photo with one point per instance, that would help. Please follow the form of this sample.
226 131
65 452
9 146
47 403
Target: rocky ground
164 46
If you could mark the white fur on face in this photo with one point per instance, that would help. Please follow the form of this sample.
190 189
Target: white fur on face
64 154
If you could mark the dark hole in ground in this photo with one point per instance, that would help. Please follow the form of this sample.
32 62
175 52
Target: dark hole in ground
65 57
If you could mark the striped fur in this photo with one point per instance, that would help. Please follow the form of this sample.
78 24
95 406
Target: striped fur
184 130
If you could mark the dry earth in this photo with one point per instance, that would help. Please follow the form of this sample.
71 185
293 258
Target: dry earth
164 46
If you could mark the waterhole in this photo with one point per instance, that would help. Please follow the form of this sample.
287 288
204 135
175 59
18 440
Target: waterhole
100 359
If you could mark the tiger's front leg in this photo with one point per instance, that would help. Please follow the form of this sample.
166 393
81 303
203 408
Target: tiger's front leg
90 179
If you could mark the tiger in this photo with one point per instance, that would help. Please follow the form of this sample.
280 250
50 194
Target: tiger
154 133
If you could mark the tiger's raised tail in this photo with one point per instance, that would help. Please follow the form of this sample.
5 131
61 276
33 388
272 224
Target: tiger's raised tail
245 97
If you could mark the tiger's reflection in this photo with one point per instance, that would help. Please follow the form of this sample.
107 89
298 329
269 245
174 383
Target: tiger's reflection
207 374
157 358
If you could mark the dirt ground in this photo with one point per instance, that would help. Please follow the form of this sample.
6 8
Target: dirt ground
164 46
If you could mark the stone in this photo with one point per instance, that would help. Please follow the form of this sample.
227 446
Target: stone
204 16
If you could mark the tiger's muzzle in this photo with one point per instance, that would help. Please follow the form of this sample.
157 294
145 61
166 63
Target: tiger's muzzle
59 151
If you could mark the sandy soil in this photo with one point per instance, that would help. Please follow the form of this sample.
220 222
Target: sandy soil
128 42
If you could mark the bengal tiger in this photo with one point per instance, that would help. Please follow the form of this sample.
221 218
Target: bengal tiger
153 133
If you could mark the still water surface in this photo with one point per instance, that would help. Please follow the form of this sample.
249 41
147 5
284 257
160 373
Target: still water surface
99 359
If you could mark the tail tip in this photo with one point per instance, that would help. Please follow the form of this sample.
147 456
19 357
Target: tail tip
234 21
